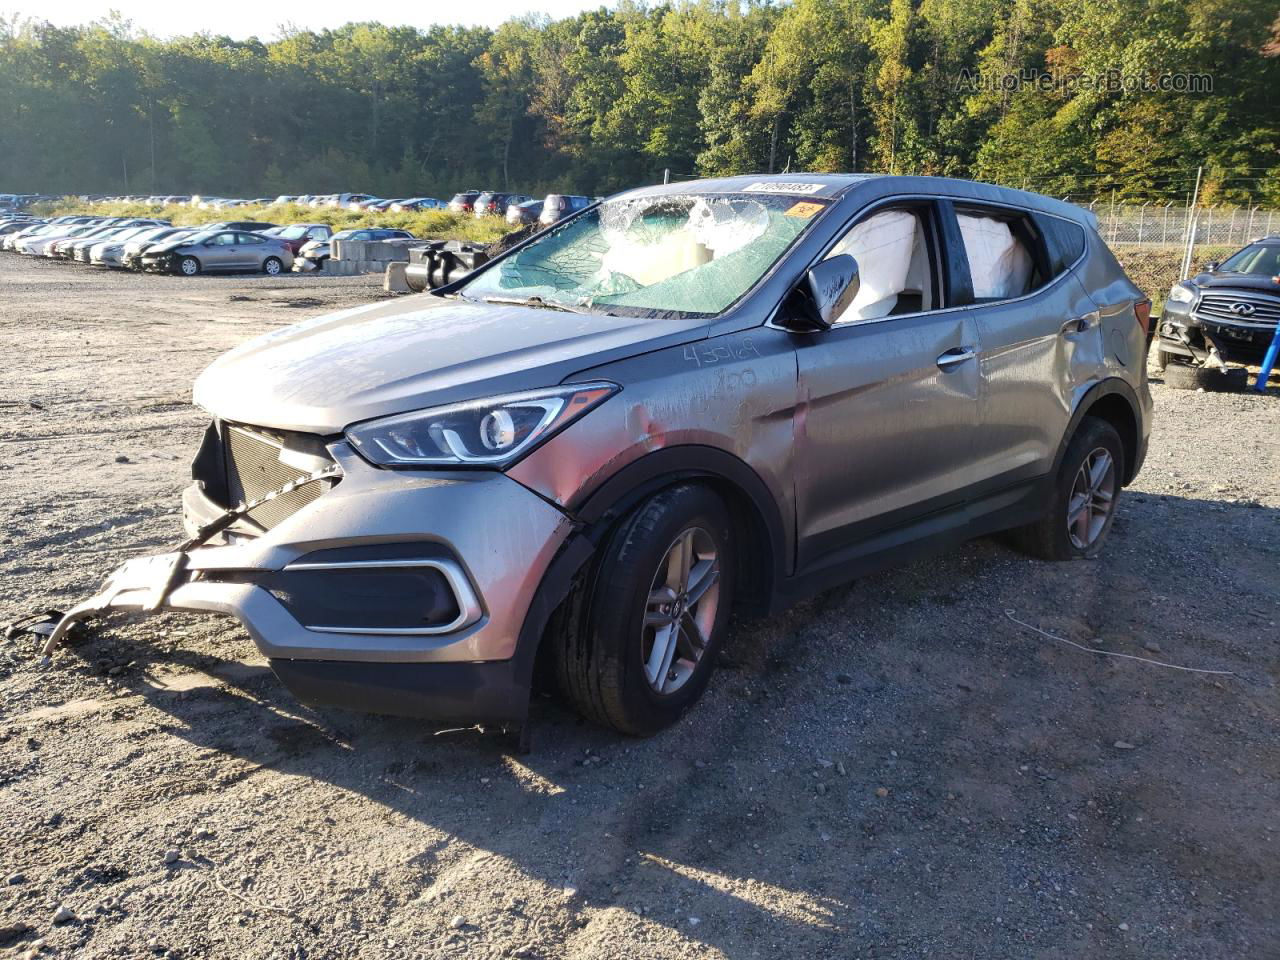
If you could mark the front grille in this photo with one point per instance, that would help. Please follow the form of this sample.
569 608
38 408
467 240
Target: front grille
254 470
1224 307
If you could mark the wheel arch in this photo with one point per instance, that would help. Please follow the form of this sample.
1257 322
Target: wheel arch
756 516
1115 402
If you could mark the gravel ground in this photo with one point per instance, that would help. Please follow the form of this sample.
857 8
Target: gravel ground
894 769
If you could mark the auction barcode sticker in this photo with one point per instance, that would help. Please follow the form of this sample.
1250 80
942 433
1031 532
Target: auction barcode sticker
783 188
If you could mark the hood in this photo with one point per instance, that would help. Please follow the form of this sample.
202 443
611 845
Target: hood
324 374
1238 281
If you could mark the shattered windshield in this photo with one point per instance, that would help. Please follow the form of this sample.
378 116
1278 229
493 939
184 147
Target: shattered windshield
684 254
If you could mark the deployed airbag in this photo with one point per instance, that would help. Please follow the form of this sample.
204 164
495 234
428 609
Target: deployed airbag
883 246
999 264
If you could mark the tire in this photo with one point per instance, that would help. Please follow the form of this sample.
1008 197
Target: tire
1053 536
272 266
1163 359
189 266
605 639
1183 376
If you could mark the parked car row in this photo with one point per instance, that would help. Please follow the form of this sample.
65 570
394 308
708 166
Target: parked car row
519 209
156 245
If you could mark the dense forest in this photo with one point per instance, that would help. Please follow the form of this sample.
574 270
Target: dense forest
614 96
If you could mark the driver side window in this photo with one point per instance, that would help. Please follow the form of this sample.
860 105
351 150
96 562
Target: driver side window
895 274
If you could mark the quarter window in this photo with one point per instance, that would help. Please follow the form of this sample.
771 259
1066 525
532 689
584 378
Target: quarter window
1063 239
895 274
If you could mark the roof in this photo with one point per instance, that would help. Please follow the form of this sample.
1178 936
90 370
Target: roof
833 185
800 184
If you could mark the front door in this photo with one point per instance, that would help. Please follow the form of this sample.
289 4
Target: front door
888 396
218 253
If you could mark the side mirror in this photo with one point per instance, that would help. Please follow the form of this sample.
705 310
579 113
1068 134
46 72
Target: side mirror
1211 266
828 289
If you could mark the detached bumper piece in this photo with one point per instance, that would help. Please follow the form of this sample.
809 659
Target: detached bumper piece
146 583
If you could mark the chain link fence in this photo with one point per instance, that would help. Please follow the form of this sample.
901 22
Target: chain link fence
1169 224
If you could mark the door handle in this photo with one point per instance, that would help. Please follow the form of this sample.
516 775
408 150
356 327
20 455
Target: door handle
955 356
1079 324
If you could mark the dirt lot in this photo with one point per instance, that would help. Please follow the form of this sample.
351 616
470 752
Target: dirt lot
895 769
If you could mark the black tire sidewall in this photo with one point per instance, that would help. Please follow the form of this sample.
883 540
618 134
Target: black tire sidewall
195 272
621 595
1181 376
1093 433
278 262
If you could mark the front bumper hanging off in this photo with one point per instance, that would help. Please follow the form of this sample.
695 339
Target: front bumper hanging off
397 592
145 583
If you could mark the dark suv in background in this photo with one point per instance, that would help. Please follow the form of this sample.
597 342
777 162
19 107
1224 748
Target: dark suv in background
495 204
1231 308
463 202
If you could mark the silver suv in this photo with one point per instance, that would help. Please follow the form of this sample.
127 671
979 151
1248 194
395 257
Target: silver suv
684 401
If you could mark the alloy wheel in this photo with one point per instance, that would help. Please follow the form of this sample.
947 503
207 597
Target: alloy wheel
1092 496
681 611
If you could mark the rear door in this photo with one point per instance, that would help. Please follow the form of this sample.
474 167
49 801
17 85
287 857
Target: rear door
1038 337
250 251
888 396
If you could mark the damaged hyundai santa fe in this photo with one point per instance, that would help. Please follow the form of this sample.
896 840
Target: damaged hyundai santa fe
683 402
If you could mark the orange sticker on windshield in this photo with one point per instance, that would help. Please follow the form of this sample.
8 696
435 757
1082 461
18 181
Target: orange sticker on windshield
803 209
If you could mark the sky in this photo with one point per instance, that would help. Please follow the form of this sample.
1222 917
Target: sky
240 19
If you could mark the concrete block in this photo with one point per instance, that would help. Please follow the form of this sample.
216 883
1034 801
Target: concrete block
383 251
394 281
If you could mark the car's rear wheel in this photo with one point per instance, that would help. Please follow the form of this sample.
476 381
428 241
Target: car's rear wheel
1083 501
636 643
188 266
272 266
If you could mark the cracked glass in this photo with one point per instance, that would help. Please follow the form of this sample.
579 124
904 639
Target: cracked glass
678 255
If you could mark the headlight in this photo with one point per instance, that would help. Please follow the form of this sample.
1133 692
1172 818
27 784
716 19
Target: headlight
1181 293
489 433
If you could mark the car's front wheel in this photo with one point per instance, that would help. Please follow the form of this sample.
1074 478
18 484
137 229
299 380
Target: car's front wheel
635 645
188 266
1083 501
272 266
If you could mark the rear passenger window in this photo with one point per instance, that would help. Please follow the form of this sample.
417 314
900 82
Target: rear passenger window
1004 252
895 275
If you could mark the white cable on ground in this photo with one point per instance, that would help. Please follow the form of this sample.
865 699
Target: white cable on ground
1108 653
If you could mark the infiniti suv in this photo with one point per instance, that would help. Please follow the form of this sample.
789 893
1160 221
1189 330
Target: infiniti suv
1232 308
684 401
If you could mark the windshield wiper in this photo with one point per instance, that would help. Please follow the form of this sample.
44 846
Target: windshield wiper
535 301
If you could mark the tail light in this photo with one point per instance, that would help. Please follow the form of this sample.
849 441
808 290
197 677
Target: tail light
1143 311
